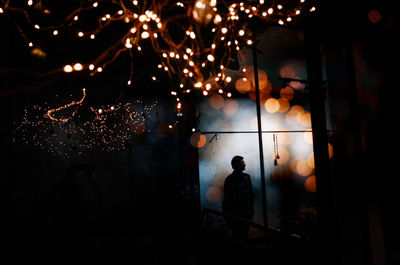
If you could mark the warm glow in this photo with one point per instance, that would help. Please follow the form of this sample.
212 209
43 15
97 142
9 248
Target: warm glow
230 106
310 184
284 105
303 168
68 68
243 85
198 140
78 67
272 105
216 101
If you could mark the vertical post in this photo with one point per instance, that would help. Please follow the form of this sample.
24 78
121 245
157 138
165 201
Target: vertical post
260 142
326 203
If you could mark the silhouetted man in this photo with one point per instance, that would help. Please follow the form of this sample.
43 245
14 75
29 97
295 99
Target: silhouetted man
238 197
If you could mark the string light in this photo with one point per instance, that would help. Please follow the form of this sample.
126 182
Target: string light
185 59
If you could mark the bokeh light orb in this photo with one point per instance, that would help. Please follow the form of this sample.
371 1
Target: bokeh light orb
198 140
272 105
230 107
310 184
216 101
243 85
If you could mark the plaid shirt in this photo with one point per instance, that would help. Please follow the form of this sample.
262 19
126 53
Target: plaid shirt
238 195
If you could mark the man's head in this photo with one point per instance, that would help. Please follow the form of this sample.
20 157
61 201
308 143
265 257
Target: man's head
238 163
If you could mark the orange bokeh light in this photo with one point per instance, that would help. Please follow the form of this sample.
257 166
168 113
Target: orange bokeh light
310 184
330 149
272 105
216 101
374 16
287 93
198 140
283 156
284 105
308 137
304 119
291 115
243 85
303 168
230 107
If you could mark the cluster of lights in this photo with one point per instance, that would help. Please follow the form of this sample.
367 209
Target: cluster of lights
109 129
191 57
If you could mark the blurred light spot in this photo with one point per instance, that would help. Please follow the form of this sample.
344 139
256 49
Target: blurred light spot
272 105
374 16
292 69
308 137
310 184
310 160
230 107
213 194
287 93
284 105
304 119
303 168
296 85
243 85
293 164
291 115
262 77
198 140
283 156
330 149
216 101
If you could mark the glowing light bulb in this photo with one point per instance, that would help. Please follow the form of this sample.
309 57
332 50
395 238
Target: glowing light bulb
249 42
205 93
192 35
99 69
241 32
229 94
210 57
68 68
91 67
78 67
142 18
80 34
76 18
279 6
30 2
198 84
228 79
270 10
145 35
92 36
55 32
224 30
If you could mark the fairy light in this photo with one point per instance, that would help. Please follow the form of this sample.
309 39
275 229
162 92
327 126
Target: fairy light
68 68
191 58
78 67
